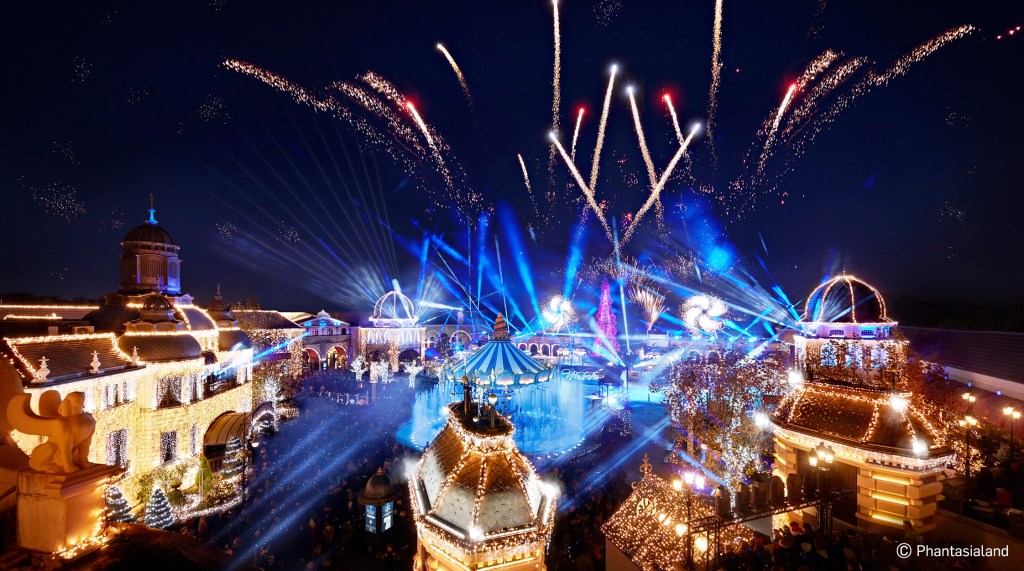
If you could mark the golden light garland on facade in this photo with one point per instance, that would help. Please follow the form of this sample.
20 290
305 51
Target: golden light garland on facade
652 528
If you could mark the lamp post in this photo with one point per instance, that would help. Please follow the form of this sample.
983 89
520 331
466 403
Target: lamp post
691 481
821 458
968 423
969 399
492 399
1012 415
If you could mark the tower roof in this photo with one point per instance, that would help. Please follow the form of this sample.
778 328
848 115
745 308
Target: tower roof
845 299
149 233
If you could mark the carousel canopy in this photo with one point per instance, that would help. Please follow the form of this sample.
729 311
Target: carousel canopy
503 361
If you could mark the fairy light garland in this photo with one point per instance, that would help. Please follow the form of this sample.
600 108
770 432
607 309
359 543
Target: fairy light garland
475 548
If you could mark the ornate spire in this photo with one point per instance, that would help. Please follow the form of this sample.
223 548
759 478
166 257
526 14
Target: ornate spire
152 211
500 327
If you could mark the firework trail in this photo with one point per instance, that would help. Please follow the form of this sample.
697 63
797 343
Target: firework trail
770 139
600 128
583 186
641 139
576 135
675 118
556 93
688 164
818 23
529 188
458 74
430 139
716 78
656 190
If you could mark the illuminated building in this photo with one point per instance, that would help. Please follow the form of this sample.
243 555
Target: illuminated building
395 335
477 501
327 342
156 369
849 421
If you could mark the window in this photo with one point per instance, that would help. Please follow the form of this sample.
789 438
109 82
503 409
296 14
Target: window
836 333
344 331
168 446
879 357
855 357
117 448
828 355
869 332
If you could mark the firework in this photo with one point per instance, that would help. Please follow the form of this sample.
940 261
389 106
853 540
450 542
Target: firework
716 75
556 93
775 125
214 110
529 189
652 302
600 128
59 200
583 186
656 189
675 118
703 314
558 313
576 135
458 74
642 141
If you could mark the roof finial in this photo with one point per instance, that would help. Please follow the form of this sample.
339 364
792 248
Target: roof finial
152 211
218 291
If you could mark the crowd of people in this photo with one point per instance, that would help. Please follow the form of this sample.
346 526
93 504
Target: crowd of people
300 508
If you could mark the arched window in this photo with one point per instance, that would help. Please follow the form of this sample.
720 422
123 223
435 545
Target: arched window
828 355
344 331
545 350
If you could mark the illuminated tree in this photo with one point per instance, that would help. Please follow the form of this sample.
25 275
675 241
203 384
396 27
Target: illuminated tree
158 510
716 405
232 458
117 508
204 478
606 341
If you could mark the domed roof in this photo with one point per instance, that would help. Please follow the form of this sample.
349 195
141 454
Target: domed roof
475 481
862 417
149 232
156 303
393 309
845 299
155 347
379 487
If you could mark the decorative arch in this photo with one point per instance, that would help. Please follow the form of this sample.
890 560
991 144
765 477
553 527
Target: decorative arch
545 350
312 359
337 357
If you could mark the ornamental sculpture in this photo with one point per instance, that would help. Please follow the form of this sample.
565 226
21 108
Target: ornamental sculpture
67 428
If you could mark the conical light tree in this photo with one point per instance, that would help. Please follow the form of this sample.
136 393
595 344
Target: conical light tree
158 510
232 458
117 508
605 342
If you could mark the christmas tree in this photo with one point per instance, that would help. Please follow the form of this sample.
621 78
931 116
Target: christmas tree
118 510
232 458
158 510
606 342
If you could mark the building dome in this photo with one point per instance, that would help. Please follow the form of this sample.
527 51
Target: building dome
379 487
156 303
393 309
845 299
149 233
475 491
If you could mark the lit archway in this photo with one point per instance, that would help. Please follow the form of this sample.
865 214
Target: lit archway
337 358
311 359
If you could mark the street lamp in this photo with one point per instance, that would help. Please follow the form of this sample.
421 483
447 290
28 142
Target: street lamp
1012 415
968 423
820 459
969 399
691 481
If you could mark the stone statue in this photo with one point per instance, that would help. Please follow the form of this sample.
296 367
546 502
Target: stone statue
67 428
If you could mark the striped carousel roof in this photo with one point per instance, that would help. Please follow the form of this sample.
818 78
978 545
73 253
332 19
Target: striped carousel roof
502 360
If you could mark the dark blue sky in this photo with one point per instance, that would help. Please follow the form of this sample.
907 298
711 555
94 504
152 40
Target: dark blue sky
915 188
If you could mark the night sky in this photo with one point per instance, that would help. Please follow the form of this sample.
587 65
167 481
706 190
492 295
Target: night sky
915 188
